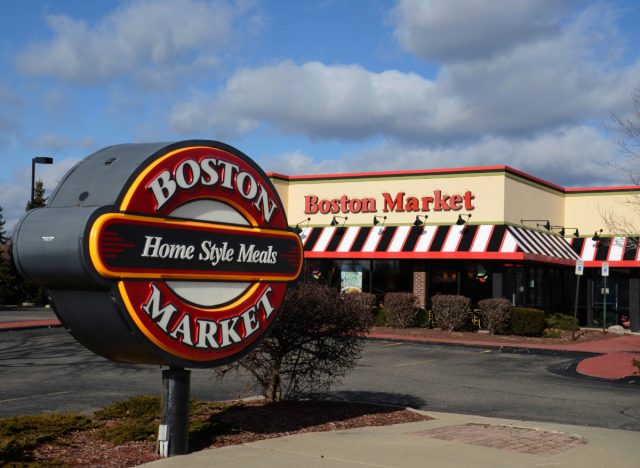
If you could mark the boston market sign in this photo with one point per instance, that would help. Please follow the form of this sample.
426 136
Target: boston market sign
193 253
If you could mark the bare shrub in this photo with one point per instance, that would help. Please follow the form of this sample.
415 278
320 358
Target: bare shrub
401 309
450 311
318 338
495 313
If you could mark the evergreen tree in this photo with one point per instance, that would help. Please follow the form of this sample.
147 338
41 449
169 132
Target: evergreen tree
3 234
10 281
28 290
39 200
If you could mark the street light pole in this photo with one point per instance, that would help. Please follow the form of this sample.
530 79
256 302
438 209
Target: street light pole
34 161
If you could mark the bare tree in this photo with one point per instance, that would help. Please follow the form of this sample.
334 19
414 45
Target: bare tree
317 339
628 131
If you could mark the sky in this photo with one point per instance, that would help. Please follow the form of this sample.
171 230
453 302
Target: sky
326 86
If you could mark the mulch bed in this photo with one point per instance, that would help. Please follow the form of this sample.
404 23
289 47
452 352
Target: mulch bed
237 424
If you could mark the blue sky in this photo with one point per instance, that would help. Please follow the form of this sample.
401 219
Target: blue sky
320 86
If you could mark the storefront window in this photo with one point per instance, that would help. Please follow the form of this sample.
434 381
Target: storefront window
392 276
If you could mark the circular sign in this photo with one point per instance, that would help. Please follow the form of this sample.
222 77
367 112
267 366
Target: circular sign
199 252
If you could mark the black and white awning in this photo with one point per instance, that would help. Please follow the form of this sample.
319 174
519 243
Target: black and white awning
482 242
617 251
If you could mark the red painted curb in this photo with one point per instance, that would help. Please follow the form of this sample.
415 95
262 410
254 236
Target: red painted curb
614 362
609 366
29 324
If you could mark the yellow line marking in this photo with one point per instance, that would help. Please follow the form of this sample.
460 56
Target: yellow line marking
34 396
414 363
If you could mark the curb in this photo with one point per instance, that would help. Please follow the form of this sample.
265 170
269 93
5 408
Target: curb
29 324
499 348
572 371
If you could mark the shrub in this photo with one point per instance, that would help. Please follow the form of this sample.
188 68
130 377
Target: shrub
422 319
19 435
401 309
137 407
379 317
552 333
495 313
318 337
450 311
561 322
527 322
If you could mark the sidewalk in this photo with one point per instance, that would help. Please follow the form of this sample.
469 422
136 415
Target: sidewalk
449 440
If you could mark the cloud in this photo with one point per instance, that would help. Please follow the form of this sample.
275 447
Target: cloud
321 101
155 40
541 79
585 153
469 29
531 90
10 104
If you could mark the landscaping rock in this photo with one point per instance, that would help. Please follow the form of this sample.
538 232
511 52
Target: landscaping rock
616 330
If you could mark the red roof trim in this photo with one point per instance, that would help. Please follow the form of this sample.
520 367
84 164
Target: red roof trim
453 170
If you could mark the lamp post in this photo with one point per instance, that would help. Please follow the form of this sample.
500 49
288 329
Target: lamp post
34 161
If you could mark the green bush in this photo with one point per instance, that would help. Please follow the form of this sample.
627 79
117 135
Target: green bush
129 430
21 434
552 333
137 407
527 322
379 317
401 309
422 319
449 311
561 322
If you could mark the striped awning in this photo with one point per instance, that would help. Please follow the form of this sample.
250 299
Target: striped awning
617 251
474 242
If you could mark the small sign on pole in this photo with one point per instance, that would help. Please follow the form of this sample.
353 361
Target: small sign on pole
605 291
579 273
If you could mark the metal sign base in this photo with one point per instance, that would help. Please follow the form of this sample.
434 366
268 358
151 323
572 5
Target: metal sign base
173 434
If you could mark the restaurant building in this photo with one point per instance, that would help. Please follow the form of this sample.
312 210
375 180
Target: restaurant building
480 232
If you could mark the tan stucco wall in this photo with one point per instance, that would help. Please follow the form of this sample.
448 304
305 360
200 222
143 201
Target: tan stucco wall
528 201
500 196
590 210
486 190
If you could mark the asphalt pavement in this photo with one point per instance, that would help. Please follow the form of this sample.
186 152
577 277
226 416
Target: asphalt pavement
448 440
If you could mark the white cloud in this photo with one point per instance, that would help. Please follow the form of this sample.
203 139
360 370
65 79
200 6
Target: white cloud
528 91
321 101
583 154
155 40
297 162
443 30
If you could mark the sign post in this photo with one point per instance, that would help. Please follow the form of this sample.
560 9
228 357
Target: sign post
181 253
605 291
579 273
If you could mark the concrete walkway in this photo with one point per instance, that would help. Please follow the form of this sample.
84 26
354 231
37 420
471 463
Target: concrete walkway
449 440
